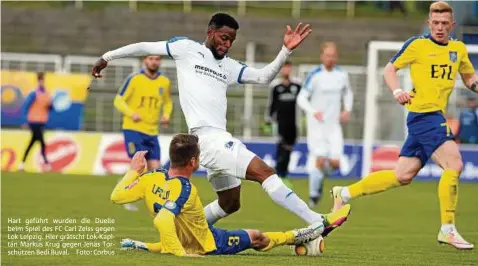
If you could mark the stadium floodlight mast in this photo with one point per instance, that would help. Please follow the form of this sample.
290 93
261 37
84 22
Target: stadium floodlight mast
372 91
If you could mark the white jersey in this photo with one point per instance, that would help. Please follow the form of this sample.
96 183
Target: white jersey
203 82
325 90
202 79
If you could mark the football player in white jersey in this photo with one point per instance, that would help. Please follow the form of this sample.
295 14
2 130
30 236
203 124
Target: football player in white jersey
204 73
320 98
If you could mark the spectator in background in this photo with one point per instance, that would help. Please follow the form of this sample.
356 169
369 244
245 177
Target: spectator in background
37 107
468 132
397 5
282 109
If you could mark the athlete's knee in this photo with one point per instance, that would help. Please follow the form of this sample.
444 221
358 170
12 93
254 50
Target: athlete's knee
258 170
404 177
230 205
334 164
319 163
456 164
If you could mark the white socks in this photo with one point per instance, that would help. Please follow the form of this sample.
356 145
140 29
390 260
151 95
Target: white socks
447 228
214 212
315 182
345 194
286 198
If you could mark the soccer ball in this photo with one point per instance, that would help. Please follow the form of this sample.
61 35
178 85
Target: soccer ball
312 248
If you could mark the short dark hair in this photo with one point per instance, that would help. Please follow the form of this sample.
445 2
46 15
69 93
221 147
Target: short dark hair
40 76
182 149
288 63
220 20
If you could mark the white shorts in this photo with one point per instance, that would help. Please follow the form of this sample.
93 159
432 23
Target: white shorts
325 141
225 158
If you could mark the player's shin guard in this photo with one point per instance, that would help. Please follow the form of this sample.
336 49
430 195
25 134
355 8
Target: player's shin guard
278 239
448 196
286 198
374 183
214 212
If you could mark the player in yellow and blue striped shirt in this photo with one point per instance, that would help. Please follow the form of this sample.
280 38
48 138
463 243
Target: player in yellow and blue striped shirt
178 213
435 60
141 99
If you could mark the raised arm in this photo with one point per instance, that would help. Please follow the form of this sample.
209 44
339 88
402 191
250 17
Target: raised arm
292 39
137 49
132 50
130 188
174 47
266 74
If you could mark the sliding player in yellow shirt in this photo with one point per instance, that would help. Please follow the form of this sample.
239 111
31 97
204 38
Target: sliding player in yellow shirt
141 99
178 214
434 61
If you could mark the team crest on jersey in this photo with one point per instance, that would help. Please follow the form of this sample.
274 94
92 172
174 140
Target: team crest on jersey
229 145
161 91
280 89
453 57
293 89
170 205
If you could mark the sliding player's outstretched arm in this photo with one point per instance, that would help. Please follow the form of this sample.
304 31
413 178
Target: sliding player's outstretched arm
165 224
292 39
130 189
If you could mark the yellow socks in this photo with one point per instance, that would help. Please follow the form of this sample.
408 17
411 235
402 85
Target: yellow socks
448 195
374 183
279 239
154 247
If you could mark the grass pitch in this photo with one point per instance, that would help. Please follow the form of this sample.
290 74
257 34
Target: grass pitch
394 228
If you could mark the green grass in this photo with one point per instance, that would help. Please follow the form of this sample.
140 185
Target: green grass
394 228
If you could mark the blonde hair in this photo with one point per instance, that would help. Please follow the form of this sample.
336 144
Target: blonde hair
326 45
440 7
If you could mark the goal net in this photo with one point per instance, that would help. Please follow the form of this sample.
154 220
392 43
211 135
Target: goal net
384 120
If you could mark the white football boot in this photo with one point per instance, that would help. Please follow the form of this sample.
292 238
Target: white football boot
453 238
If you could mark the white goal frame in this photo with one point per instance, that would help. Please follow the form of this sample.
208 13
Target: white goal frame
372 87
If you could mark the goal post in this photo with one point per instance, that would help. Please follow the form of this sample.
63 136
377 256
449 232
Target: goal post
373 89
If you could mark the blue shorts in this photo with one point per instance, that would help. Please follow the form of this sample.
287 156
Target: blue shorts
137 141
230 242
426 132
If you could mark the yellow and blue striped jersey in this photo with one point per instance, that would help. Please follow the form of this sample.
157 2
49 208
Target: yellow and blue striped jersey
147 97
175 202
433 69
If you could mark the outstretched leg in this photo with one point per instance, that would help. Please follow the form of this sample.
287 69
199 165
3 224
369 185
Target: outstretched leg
228 202
407 168
260 172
